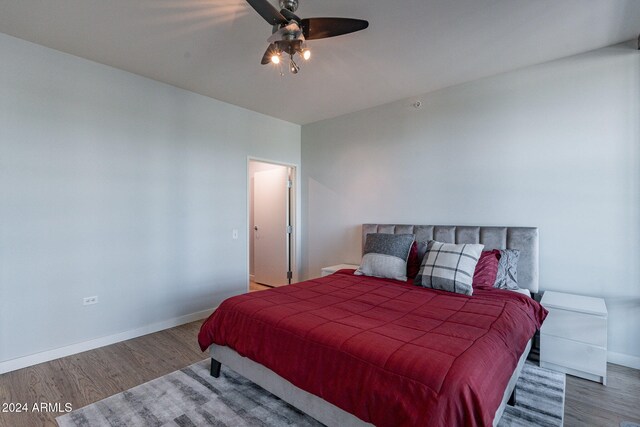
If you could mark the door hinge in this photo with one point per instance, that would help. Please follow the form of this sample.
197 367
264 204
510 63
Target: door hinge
289 275
289 229
289 183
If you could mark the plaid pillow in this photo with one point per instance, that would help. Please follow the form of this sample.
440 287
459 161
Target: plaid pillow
385 255
449 267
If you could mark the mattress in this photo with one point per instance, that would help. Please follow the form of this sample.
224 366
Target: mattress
388 352
522 291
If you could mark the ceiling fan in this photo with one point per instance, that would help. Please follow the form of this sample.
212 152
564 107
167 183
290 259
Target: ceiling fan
290 33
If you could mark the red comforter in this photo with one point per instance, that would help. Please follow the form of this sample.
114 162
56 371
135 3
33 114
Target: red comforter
390 353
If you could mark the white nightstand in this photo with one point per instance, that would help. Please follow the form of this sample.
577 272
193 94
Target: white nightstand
573 338
332 269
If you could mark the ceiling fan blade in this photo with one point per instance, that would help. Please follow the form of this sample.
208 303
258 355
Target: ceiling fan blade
268 11
322 28
271 50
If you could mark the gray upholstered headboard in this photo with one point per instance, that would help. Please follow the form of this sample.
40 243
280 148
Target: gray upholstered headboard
525 239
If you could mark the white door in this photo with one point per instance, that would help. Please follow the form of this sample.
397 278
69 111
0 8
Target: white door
270 217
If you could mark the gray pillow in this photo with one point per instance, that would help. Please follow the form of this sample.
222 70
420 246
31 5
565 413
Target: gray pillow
385 255
449 267
507 277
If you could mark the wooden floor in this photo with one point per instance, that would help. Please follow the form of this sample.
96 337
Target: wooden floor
87 377
592 404
93 375
253 286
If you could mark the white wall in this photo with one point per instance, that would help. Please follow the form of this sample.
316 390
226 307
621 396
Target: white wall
117 186
555 146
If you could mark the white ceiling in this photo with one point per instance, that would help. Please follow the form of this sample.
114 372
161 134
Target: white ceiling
214 47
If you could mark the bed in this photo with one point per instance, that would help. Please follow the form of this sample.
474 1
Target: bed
352 351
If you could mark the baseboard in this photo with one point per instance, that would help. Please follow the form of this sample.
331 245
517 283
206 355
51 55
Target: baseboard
623 359
45 356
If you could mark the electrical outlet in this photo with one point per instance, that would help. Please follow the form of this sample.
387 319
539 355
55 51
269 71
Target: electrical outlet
234 234
90 300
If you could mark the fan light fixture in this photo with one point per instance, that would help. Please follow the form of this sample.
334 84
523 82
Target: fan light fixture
290 32
290 48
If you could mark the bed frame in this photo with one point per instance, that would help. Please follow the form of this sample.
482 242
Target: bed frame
525 239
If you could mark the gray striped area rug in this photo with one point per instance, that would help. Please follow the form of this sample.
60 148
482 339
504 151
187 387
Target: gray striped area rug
539 399
191 397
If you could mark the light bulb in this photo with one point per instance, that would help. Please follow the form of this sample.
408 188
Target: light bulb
306 54
275 59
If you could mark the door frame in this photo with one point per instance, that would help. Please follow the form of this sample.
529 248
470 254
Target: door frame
294 205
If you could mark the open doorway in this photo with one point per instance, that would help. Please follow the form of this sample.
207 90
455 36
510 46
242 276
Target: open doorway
271 224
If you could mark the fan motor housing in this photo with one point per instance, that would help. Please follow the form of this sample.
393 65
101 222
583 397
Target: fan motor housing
290 47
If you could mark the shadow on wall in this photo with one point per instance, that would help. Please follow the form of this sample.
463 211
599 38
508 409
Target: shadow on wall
331 221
